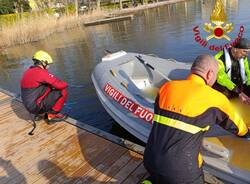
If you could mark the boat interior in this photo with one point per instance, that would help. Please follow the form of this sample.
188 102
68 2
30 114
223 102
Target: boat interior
144 81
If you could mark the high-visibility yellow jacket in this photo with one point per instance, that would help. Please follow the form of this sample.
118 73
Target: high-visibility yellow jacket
184 111
224 73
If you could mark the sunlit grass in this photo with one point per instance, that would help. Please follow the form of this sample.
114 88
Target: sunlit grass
39 27
34 29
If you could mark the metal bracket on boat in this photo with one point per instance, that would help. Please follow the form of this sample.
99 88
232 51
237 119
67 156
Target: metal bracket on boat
112 72
125 85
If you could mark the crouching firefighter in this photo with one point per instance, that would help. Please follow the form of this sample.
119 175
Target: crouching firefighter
184 111
42 93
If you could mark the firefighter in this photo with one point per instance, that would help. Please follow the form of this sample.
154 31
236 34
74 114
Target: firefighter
184 111
42 93
233 77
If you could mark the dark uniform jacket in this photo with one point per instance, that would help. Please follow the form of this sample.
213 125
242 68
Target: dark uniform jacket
36 84
184 110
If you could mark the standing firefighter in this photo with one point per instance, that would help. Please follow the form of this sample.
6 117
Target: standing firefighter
233 77
42 93
184 111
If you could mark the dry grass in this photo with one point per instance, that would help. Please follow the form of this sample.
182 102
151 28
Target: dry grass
37 28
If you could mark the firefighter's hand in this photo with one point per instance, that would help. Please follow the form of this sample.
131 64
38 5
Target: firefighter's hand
244 98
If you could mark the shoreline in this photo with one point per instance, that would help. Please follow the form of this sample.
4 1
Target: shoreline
145 6
39 28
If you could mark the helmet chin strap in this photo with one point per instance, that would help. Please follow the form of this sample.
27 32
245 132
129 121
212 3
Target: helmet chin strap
44 64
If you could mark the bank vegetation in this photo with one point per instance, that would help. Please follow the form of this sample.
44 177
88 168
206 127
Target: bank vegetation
24 21
34 28
20 27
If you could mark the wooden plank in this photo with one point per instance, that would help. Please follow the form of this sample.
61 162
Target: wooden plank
144 177
127 169
5 101
24 153
31 167
102 166
12 132
82 168
46 166
137 176
35 147
14 112
24 138
89 148
3 96
62 154
10 102
113 169
10 109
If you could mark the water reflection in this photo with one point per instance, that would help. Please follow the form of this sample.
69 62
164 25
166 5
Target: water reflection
165 31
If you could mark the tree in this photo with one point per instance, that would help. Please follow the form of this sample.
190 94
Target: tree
7 6
120 2
13 6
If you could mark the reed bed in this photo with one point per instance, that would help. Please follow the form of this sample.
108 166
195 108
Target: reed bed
39 27
35 29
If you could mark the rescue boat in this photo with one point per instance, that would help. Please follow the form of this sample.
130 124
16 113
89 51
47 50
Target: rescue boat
127 85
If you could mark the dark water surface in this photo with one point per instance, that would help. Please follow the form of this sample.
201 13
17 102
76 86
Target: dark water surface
166 31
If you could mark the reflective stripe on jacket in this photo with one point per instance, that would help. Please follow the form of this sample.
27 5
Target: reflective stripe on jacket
184 110
179 124
224 73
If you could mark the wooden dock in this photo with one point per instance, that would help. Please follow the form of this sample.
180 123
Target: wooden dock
65 152
61 152
108 20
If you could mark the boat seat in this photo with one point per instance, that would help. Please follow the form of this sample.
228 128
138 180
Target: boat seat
141 82
144 89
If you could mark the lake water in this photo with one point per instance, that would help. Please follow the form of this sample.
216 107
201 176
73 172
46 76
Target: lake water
166 31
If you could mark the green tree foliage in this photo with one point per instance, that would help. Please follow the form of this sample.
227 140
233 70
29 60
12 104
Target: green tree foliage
13 6
7 6
71 8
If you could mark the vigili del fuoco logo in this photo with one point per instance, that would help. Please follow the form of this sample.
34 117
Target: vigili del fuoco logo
217 29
